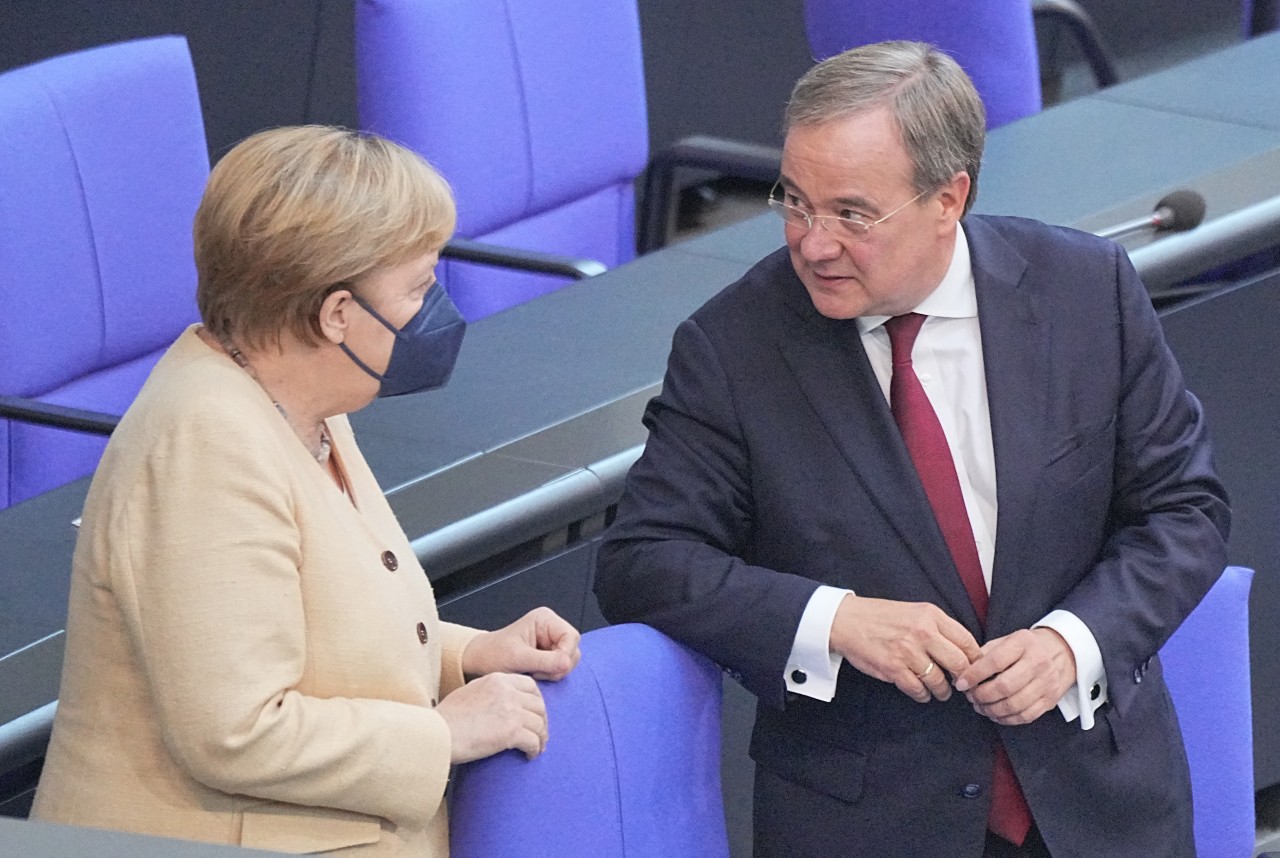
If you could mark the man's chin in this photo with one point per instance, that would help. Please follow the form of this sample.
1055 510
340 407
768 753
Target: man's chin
835 306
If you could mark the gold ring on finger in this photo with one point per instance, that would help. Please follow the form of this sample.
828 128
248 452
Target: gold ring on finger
928 670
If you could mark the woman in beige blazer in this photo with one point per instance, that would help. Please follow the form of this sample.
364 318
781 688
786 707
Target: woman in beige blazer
253 652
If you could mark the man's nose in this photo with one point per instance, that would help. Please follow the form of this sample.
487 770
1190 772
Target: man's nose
819 243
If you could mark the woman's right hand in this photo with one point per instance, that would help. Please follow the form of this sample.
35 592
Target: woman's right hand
493 713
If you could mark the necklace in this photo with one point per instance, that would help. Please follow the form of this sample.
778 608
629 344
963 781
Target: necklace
320 452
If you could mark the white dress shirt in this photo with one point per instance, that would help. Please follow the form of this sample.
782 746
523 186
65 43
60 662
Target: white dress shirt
947 357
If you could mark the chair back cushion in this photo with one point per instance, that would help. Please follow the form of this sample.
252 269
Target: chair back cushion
1206 666
481 290
102 164
994 41
632 767
534 112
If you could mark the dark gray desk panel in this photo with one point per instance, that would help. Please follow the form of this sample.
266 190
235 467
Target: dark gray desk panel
560 581
20 837
746 242
589 438
1237 85
1227 347
530 488
1078 159
38 541
532 366
480 487
30 677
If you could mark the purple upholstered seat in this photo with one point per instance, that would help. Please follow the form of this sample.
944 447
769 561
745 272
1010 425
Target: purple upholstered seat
102 163
534 112
1258 17
632 768
1206 665
994 41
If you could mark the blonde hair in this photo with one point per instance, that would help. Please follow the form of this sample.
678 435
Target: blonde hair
291 214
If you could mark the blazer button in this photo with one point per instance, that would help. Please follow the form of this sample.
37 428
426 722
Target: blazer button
389 560
971 791
799 677
422 633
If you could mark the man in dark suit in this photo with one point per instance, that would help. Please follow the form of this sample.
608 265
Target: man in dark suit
932 487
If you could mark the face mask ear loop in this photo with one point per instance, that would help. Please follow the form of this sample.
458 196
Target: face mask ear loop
364 366
372 312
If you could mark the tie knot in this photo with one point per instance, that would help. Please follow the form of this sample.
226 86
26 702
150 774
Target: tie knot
902 331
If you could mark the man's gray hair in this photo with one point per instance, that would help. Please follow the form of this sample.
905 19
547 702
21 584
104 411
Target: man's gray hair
937 110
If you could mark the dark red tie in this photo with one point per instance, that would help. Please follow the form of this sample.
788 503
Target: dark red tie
1010 817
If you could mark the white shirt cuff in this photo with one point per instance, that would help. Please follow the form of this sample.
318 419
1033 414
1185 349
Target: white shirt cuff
1090 690
812 668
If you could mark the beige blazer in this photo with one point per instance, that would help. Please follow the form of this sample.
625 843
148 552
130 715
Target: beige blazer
252 657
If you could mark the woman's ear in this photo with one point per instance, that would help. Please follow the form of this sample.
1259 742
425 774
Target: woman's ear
335 312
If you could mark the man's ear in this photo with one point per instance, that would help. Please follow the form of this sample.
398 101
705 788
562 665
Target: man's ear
335 315
953 196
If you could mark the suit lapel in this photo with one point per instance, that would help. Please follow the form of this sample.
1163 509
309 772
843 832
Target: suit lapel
1015 348
831 368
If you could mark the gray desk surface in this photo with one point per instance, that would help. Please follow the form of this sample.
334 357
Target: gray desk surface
1236 85
1075 160
546 397
20 837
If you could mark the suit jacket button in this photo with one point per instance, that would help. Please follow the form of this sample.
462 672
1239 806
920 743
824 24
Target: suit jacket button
422 633
389 560
1137 674
799 677
971 791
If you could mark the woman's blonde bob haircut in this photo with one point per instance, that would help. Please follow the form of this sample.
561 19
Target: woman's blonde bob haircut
291 214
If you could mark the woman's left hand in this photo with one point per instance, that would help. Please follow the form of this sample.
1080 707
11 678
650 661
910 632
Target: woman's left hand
540 643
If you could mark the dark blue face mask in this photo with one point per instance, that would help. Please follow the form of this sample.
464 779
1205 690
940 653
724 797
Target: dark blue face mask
426 348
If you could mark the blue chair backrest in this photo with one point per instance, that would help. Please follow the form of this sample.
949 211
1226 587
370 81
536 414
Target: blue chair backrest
534 112
1258 18
1206 665
102 163
632 768
994 41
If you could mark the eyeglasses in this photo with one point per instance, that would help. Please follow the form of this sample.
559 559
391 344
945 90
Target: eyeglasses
849 226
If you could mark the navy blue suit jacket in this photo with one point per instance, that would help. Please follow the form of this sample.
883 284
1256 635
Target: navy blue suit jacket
773 465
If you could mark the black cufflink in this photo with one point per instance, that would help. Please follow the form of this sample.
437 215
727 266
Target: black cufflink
799 677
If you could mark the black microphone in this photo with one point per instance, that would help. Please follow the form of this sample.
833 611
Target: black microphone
1177 211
